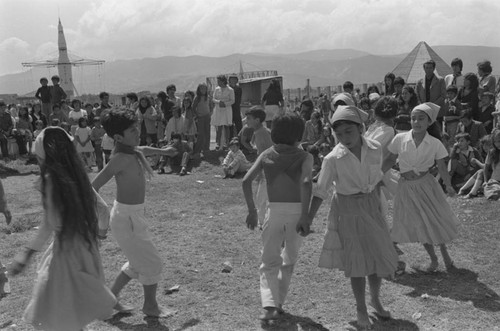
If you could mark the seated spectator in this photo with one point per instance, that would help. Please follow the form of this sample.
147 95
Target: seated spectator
235 161
474 128
175 124
181 153
326 137
492 168
312 131
475 183
461 166
486 109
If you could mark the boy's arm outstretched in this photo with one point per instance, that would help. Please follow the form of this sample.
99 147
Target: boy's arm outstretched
146 150
254 171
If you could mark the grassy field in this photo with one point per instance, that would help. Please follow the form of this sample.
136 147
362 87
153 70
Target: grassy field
198 224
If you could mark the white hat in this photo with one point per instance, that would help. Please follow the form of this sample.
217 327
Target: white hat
349 113
431 109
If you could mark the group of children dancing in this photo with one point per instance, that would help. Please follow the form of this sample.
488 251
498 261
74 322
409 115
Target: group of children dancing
70 290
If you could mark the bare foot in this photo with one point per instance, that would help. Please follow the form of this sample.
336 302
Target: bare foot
271 313
432 267
380 312
363 320
123 308
159 312
8 216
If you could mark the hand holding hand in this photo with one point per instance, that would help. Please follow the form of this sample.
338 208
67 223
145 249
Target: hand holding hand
303 227
450 191
222 104
252 219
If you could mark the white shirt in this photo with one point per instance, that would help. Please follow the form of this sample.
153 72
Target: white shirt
381 132
416 159
350 175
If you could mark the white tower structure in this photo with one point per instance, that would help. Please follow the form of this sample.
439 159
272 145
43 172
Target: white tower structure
64 64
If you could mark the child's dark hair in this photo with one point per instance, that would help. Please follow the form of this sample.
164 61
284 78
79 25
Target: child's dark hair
116 121
39 122
71 192
74 102
55 122
348 85
372 89
102 95
132 96
466 113
97 119
386 107
198 91
88 105
170 87
82 120
56 78
148 104
399 81
464 135
223 79
44 79
176 136
257 112
472 78
363 101
452 89
457 62
26 115
56 105
287 129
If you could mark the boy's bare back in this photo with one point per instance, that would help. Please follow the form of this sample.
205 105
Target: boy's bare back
129 176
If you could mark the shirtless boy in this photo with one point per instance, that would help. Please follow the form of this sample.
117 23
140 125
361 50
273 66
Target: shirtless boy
129 166
288 171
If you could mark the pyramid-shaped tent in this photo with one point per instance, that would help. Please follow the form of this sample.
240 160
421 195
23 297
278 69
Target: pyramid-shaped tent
412 66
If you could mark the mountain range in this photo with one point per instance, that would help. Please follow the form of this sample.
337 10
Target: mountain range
322 67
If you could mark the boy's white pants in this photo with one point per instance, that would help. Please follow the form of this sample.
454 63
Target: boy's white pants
277 263
130 230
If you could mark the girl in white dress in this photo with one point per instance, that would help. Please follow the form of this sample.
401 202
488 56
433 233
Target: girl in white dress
421 212
83 143
222 117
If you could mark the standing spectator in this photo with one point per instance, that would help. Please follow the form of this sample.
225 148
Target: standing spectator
306 110
43 94
96 136
202 108
146 117
453 109
222 117
236 106
75 114
487 81
104 97
389 84
348 88
399 82
469 94
57 94
273 101
24 130
37 115
171 89
432 88
406 103
6 127
57 114
456 77
162 114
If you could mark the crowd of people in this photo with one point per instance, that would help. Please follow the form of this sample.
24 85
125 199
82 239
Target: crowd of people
373 147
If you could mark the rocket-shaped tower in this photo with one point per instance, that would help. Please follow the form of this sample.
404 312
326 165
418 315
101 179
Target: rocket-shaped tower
64 65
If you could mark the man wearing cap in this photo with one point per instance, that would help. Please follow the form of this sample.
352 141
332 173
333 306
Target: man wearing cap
432 88
237 125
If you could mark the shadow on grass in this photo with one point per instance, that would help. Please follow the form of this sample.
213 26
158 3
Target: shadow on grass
151 323
386 325
459 284
290 322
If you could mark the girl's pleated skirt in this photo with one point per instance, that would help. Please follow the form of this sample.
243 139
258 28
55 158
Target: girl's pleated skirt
357 240
421 213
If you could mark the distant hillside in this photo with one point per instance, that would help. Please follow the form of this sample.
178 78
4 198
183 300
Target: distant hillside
322 67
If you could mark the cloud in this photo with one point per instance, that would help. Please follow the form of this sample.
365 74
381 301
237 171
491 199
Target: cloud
11 50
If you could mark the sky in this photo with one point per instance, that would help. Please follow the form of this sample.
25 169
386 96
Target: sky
133 29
